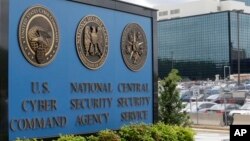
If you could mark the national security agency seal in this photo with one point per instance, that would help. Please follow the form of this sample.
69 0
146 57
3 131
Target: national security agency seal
92 42
38 36
134 46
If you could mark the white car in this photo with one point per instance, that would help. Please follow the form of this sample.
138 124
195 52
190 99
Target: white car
192 108
213 98
244 110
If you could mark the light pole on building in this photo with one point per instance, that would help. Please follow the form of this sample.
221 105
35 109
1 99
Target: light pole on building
172 58
238 43
229 71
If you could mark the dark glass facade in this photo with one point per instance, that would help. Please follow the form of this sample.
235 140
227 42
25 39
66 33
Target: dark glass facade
205 45
247 2
244 42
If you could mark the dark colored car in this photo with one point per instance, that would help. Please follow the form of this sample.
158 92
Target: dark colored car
185 97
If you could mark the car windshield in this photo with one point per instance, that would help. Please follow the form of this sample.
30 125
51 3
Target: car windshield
222 106
213 91
213 96
202 105
218 107
246 106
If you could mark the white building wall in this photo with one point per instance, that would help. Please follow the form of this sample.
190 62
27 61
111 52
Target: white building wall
232 5
247 9
199 7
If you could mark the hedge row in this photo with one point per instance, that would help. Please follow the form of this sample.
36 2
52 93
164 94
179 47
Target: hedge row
135 132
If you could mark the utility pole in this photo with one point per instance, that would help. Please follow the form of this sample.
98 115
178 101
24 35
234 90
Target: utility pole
238 42
172 58
229 71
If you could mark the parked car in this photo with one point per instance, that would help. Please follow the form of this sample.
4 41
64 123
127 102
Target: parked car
227 97
192 108
199 98
240 87
210 92
212 98
240 96
247 99
223 110
185 92
213 91
187 106
185 97
243 110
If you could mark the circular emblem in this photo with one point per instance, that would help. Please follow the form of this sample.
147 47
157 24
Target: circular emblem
92 42
38 36
134 46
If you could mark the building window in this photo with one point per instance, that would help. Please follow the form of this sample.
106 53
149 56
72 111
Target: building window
218 8
163 13
175 11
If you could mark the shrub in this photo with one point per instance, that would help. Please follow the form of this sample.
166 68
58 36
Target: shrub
170 104
92 138
162 132
184 133
18 139
136 132
70 138
108 135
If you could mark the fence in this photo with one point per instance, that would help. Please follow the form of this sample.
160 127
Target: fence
218 119
207 118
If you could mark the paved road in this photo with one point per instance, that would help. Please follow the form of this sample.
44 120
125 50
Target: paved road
211 135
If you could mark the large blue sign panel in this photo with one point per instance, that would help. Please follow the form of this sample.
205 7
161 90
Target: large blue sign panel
63 96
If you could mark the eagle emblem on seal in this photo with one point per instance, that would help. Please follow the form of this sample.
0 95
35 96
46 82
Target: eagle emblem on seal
39 41
92 42
38 36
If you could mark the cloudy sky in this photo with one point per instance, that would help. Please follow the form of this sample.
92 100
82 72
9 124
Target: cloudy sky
152 3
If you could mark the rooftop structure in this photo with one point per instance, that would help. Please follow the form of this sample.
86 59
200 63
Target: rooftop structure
167 11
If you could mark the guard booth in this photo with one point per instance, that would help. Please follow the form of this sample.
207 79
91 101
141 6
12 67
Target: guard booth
75 67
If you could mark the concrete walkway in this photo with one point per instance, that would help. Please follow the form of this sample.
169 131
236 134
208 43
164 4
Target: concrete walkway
211 135
198 126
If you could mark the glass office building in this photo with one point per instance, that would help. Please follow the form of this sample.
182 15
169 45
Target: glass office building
247 2
204 45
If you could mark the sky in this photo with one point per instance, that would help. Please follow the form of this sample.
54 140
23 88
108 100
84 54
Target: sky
152 3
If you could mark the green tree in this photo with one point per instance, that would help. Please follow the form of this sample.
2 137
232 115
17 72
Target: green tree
170 104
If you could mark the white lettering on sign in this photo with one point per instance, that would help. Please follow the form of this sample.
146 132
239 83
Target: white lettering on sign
239 132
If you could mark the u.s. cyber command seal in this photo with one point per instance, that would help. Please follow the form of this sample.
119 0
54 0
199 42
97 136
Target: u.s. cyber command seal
38 36
134 46
92 42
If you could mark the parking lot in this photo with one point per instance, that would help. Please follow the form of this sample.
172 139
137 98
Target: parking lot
219 103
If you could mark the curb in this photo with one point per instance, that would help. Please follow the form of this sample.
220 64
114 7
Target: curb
210 127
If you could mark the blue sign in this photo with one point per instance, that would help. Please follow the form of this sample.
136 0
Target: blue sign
61 95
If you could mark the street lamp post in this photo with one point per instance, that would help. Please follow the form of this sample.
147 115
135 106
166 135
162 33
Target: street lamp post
229 71
172 58
238 43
